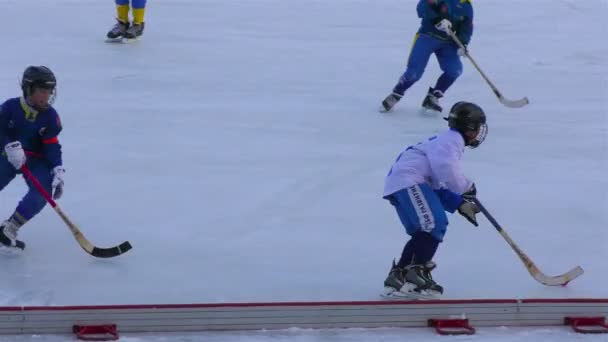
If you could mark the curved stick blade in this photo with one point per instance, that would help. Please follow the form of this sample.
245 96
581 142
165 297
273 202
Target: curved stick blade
560 280
514 103
111 252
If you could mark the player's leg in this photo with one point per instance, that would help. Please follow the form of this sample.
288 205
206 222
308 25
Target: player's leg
7 174
122 20
450 64
32 203
139 11
421 51
422 214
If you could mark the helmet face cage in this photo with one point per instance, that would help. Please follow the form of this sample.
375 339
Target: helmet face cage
480 137
39 77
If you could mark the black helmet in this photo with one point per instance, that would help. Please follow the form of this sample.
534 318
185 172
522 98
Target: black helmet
38 77
467 116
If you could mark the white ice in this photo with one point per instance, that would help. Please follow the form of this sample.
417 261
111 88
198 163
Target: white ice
238 147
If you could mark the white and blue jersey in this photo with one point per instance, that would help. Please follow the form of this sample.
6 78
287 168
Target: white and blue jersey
426 180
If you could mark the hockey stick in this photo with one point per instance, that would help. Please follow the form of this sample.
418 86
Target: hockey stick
82 241
509 103
530 266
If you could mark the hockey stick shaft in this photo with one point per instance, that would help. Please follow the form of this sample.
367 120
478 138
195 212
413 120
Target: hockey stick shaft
80 238
508 103
534 271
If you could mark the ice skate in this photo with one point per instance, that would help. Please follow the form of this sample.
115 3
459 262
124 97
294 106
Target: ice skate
116 34
419 283
390 101
8 236
394 281
431 101
134 32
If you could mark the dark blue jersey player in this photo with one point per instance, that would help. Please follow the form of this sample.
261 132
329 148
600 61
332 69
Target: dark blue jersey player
29 127
438 17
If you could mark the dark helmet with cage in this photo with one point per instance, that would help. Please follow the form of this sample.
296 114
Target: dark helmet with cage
38 77
468 117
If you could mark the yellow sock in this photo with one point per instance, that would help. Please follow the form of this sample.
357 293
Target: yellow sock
138 15
123 12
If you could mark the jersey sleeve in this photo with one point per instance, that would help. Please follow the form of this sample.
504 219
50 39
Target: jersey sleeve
426 10
449 199
465 27
444 159
4 138
50 141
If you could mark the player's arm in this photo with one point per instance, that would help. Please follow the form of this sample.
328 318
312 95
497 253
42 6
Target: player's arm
428 9
4 138
51 148
464 31
444 159
456 189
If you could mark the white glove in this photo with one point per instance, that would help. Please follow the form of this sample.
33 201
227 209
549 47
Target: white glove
15 154
57 184
444 25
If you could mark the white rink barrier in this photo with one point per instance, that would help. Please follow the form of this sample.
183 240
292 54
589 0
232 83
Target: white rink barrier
282 315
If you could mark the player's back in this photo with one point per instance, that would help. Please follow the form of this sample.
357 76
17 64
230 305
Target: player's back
426 162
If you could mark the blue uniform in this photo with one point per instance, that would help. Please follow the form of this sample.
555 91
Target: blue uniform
37 132
429 40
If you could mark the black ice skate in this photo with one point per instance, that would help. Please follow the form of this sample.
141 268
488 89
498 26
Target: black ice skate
134 32
8 236
431 101
390 101
419 283
394 281
118 31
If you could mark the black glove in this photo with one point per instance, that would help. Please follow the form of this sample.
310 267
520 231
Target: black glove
468 210
471 193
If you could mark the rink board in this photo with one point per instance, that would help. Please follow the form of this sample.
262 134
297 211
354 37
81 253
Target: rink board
282 315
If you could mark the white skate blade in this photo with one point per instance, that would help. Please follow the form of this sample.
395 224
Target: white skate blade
118 40
121 40
429 111
10 251
405 294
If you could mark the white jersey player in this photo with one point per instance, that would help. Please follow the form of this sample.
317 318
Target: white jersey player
425 181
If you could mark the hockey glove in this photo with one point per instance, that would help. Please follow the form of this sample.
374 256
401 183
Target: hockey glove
444 25
471 193
57 184
15 154
468 210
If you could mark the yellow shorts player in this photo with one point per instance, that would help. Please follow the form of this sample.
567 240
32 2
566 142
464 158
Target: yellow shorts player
124 28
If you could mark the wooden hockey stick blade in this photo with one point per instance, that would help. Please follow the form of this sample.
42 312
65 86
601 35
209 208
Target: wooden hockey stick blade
96 251
535 272
111 252
513 103
560 280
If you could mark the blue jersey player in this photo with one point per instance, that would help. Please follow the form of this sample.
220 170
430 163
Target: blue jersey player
29 127
438 17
